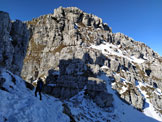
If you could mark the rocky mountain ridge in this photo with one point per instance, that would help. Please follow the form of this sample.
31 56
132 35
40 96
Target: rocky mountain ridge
69 33
71 49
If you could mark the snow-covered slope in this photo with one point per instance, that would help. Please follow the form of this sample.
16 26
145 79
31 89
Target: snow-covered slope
149 109
18 104
66 35
109 49
126 112
85 110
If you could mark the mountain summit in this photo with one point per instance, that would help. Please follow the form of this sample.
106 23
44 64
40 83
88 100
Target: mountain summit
97 74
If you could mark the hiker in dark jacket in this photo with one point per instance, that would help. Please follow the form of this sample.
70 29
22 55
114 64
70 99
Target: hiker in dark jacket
39 88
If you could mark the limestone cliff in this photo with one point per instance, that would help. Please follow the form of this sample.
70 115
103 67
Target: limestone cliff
73 51
80 47
14 38
69 33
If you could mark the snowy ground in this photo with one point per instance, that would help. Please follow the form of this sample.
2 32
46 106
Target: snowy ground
20 105
126 112
85 110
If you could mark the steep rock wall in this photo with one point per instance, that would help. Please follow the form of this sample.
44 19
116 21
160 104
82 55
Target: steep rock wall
14 37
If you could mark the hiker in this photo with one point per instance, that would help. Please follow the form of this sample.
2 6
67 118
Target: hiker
39 88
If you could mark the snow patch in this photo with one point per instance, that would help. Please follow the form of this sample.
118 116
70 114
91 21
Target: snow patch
110 49
137 60
158 91
149 109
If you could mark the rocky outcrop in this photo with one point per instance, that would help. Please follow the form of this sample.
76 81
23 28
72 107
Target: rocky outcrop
14 38
130 94
156 100
70 80
74 77
68 34
60 36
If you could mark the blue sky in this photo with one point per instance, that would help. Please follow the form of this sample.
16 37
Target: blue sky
139 19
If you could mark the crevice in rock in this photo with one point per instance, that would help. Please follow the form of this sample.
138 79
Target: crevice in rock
148 72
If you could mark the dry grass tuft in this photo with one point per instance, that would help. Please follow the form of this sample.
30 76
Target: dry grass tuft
58 49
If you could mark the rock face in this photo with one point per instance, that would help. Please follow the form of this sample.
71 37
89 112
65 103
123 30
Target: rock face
72 36
57 36
14 38
72 49
73 78
156 100
131 95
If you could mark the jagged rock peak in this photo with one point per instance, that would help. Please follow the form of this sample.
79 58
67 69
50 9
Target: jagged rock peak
73 15
74 10
77 15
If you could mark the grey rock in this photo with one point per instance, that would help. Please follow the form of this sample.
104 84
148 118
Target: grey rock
156 100
115 65
136 99
14 38
96 89
20 36
131 95
61 41
67 34
73 67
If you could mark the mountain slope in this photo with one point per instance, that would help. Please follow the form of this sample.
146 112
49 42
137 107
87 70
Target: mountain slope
18 104
81 60
83 109
69 34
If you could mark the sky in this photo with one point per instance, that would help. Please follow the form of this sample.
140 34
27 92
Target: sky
138 19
